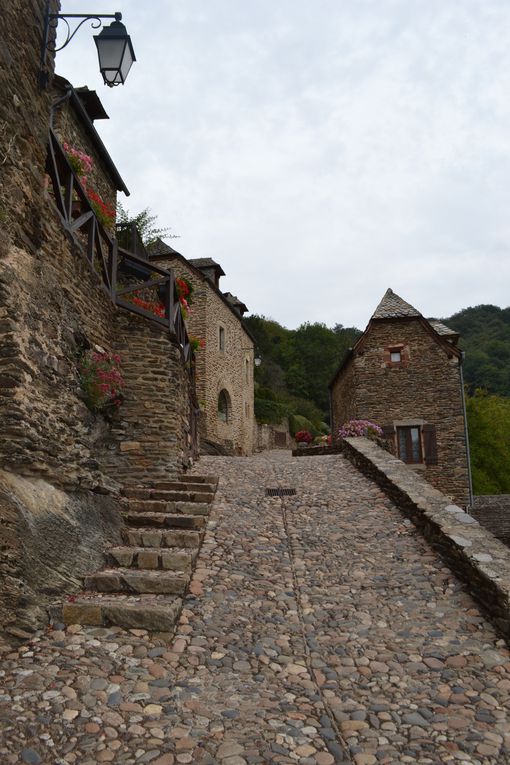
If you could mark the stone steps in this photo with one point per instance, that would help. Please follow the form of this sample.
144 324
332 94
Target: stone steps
148 575
165 520
154 558
149 536
149 612
159 506
137 580
169 496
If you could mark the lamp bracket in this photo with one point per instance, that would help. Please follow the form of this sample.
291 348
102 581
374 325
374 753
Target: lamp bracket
51 21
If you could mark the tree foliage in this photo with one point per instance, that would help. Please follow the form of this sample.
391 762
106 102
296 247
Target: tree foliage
299 364
145 222
485 338
489 436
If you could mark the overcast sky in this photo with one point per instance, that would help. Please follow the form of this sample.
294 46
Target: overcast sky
319 150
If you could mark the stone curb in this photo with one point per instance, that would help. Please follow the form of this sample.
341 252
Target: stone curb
472 552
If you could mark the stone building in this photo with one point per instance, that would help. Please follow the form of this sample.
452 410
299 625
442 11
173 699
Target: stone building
62 465
405 374
224 367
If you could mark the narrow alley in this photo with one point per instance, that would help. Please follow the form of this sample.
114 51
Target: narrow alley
320 629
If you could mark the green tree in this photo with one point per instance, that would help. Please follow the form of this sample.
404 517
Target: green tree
489 437
146 224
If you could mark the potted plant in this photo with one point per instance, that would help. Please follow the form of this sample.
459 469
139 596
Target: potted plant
303 438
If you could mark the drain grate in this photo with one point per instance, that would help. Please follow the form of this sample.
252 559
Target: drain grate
279 492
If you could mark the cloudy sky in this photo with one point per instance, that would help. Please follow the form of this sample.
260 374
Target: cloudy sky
320 150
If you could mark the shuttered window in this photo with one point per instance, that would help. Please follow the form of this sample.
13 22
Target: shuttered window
409 444
430 444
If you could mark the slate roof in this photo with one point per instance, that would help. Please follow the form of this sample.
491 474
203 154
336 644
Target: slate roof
442 329
159 249
393 307
234 300
206 263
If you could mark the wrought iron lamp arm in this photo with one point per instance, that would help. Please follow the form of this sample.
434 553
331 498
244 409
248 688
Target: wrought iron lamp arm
51 22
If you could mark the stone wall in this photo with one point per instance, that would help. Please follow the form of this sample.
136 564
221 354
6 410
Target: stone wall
60 461
471 551
424 390
230 369
149 439
493 513
272 437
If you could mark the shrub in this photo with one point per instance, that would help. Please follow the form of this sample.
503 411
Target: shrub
269 412
297 422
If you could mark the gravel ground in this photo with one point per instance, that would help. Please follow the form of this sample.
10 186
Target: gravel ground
320 628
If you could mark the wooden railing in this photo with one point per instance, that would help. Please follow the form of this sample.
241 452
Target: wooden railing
124 275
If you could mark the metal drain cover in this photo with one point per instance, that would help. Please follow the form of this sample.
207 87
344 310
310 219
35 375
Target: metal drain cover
279 492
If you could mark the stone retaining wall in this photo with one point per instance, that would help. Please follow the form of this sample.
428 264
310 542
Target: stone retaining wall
471 551
493 512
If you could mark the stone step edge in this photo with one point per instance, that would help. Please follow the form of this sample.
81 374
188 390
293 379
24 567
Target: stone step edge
101 611
146 505
173 555
195 537
164 520
169 495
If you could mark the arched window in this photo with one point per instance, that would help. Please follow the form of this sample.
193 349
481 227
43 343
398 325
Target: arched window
224 406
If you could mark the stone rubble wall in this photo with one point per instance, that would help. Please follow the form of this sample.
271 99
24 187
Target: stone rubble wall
265 437
426 388
470 550
492 511
61 461
149 439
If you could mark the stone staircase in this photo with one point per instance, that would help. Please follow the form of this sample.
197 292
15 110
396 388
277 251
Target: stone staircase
146 578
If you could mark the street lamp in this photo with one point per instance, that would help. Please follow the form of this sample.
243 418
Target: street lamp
114 48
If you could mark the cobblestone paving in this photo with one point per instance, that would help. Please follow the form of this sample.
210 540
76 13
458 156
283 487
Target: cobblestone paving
320 629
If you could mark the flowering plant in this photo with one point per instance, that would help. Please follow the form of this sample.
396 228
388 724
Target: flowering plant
80 162
82 165
184 293
303 437
103 212
360 428
196 343
101 380
152 306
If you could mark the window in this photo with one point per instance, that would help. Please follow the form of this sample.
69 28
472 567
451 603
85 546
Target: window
221 338
409 444
224 406
247 369
396 356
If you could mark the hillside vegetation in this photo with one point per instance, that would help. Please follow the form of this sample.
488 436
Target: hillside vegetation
298 365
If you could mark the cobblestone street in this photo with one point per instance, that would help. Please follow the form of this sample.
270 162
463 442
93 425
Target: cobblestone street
320 629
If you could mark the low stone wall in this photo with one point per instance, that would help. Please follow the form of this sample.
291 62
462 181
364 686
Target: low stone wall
272 437
493 512
471 551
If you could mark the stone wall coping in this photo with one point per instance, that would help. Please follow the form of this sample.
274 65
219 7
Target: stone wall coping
472 552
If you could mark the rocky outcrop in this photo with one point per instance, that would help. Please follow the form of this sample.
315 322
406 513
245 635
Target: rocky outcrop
48 540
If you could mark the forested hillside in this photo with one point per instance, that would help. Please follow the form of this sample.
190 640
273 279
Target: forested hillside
298 365
485 337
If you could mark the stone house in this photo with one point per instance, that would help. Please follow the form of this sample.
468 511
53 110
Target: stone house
224 367
405 373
